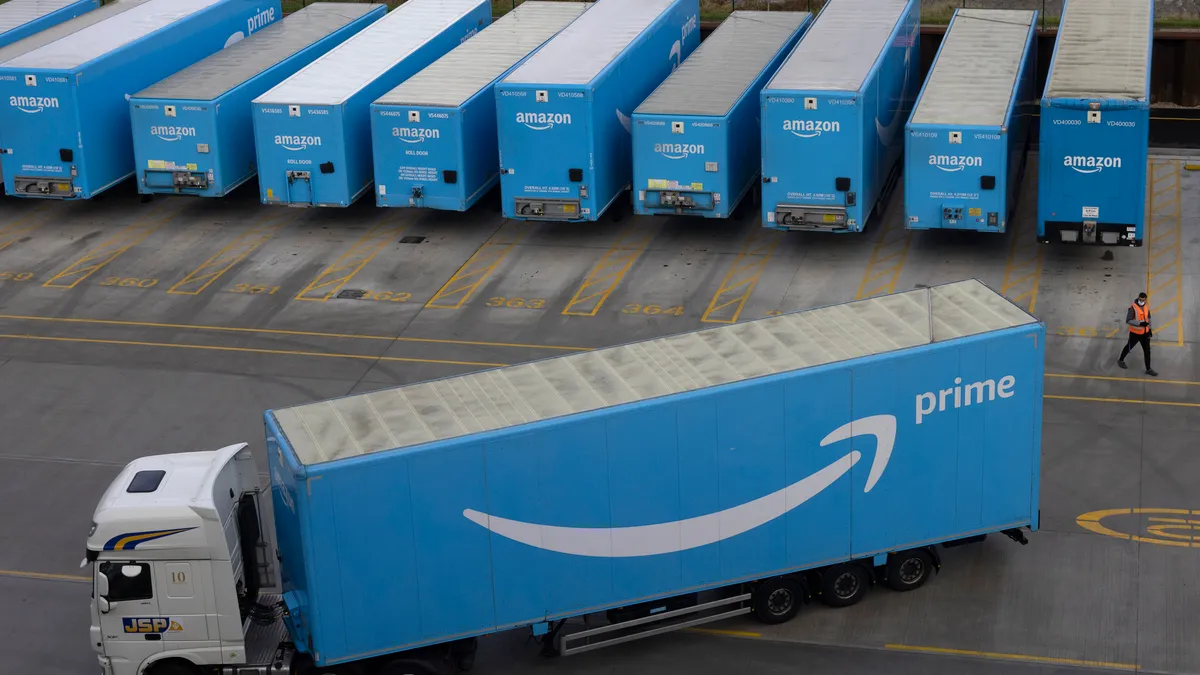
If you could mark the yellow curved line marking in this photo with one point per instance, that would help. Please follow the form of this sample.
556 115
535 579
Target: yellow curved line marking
134 538
1091 521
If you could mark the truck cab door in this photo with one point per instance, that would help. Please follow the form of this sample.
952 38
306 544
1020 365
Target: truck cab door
180 595
130 623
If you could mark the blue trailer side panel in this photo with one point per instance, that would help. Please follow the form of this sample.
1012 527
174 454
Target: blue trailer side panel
193 132
21 18
966 140
564 116
590 483
434 136
1095 126
833 116
69 136
696 138
313 131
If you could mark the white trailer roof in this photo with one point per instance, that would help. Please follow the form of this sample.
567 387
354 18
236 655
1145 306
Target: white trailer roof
974 78
453 79
245 60
840 48
59 31
716 75
580 52
364 58
98 39
415 414
1102 50
17 13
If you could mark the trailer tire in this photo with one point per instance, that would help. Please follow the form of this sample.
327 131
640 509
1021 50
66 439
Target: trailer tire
844 585
411 667
777 600
909 570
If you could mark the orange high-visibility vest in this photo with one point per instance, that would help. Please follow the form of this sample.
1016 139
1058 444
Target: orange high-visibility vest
1140 314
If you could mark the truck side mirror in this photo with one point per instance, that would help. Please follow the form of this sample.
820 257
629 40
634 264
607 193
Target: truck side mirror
102 585
102 604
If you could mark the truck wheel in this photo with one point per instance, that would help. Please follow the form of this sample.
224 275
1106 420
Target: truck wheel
173 667
844 585
777 600
909 570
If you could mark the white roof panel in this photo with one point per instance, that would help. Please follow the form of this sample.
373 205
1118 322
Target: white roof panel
975 75
456 77
494 399
247 59
59 31
1102 50
716 75
364 58
17 13
840 48
580 52
96 40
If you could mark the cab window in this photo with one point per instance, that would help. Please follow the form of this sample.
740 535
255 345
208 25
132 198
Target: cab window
128 581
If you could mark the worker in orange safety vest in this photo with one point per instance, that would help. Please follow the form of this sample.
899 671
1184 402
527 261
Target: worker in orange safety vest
1138 320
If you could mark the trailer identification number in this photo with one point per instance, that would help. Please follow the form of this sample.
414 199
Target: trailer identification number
1091 212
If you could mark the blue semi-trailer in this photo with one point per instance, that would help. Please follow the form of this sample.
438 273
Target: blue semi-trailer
21 18
965 146
67 128
833 116
1094 129
735 470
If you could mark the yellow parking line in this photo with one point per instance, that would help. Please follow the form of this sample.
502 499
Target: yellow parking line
1094 399
604 277
1164 263
280 331
222 261
1011 657
46 577
14 231
333 278
743 275
729 633
458 289
1023 269
110 250
887 261
247 350
1110 378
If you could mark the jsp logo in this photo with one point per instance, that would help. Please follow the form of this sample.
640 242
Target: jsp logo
542 121
172 133
811 128
952 163
411 135
32 104
297 143
260 20
678 150
1085 164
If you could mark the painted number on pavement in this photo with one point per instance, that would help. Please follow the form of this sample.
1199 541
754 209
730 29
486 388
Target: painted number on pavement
516 303
652 310
16 276
129 282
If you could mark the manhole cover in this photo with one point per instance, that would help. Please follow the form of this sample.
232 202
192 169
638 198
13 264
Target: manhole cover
351 294
411 240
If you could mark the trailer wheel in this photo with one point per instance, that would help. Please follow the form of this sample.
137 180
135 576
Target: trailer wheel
412 667
909 570
777 600
844 585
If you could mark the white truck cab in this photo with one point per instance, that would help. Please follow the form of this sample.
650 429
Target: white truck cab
180 552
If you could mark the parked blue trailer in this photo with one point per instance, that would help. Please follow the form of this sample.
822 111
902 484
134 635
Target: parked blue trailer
45 36
1094 135
696 138
66 128
193 133
564 115
833 114
21 18
966 144
434 136
313 131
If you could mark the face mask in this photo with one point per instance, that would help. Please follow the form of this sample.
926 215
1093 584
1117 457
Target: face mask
1141 303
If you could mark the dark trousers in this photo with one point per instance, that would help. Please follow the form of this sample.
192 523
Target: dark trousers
1133 340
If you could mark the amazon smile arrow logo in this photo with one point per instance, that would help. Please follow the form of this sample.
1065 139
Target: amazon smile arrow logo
689 533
